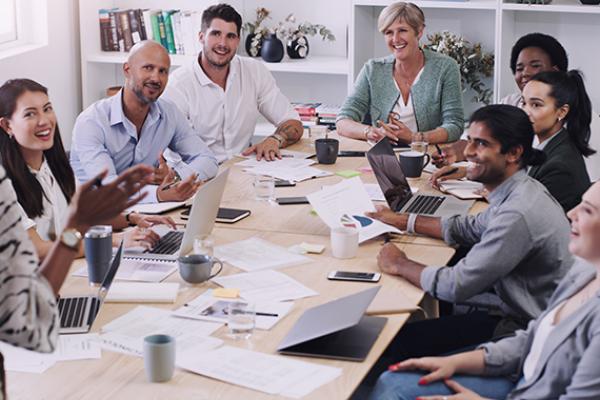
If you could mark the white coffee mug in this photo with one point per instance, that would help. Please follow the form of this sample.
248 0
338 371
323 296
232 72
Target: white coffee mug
344 242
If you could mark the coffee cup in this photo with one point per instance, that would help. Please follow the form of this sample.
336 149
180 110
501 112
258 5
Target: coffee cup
197 268
344 242
413 162
327 150
159 357
97 244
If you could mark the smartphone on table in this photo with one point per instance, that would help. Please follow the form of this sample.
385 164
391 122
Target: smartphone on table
354 276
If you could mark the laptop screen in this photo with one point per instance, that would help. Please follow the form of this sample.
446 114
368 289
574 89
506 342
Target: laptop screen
390 177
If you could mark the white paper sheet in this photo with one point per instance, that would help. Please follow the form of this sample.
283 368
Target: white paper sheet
463 189
209 308
69 347
345 204
266 285
142 292
139 270
156 208
286 162
285 153
255 254
263 372
432 168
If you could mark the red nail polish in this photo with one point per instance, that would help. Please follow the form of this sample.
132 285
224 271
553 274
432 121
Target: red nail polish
422 381
393 368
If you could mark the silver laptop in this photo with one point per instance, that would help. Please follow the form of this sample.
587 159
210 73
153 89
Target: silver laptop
203 213
337 329
395 187
77 314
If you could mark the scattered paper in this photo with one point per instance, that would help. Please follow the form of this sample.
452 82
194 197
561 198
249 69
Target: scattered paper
286 162
255 254
345 204
463 189
263 372
264 286
139 270
142 292
207 308
156 208
288 168
374 191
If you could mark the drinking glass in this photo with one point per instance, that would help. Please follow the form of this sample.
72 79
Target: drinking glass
419 143
204 244
264 187
240 319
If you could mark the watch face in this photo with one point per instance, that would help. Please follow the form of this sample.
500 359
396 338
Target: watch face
71 238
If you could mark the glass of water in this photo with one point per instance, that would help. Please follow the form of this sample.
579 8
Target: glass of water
419 143
240 319
204 244
264 187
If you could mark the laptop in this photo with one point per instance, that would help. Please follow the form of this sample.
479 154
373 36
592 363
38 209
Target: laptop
77 314
396 190
337 329
201 222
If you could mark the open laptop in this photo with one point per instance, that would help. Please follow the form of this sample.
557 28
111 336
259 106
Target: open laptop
201 222
337 329
77 314
395 187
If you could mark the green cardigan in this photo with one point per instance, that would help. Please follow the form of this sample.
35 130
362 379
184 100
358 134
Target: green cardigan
436 97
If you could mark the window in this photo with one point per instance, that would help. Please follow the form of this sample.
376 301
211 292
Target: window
8 21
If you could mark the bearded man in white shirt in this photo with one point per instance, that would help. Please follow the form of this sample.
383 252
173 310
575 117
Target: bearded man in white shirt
222 94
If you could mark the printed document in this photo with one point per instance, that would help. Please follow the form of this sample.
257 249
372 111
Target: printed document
142 292
265 285
255 254
139 270
263 372
345 204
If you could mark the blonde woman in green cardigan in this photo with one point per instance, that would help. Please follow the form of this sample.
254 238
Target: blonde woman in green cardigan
412 94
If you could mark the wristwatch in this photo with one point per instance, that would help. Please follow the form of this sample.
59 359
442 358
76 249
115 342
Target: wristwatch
366 131
71 238
279 138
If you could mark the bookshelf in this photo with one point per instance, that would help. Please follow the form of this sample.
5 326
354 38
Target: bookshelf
329 72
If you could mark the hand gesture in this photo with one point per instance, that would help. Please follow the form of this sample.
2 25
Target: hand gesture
439 368
390 259
161 172
387 216
94 203
267 149
140 237
462 393
180 191
402 132
446 173
146 221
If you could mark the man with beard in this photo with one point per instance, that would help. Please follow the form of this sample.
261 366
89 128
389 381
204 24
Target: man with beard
519 244
135 126
222 94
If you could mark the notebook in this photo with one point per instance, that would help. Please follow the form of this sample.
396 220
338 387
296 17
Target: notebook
201 222
77 314
397 192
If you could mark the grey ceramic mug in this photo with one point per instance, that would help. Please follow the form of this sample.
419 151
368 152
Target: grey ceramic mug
197 268
159 357
413 162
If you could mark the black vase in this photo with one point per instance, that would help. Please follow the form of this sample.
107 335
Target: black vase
248 45
298 48
272 49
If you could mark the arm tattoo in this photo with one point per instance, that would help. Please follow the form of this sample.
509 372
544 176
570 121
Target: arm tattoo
290 130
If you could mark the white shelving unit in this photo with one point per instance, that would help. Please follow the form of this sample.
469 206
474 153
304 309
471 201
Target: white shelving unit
329 72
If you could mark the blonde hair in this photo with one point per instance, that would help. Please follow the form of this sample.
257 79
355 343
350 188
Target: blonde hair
408 12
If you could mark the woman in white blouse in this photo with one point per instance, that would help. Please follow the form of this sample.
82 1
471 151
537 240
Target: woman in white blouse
35 160
555 357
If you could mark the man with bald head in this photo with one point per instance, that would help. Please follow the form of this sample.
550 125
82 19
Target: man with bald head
136 126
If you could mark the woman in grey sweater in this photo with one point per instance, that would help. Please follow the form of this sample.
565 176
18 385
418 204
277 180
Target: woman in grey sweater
555 357
413 94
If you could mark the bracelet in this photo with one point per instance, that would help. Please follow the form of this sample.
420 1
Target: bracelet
128 218
410 224
366 131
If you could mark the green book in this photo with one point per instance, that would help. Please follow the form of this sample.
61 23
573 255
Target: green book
162 30
169 31
155 28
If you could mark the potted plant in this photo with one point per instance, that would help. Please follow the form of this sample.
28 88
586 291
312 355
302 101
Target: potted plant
295 35
473 62
255 33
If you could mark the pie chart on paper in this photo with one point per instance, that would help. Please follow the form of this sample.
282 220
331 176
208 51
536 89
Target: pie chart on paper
362 220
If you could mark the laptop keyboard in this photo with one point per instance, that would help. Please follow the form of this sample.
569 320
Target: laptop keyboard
427 205
169 243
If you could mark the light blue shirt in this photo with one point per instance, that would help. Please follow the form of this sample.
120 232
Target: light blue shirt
103 138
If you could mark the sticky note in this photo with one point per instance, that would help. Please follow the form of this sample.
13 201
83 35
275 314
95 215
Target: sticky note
348 173
228 293
312 248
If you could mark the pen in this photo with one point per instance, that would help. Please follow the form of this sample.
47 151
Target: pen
439 150
170 185
453 170
266 314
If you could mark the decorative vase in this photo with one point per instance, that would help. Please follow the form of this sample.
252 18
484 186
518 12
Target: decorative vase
253 51
298 48
272 49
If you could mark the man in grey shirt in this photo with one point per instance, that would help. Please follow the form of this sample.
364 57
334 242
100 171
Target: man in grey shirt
519 244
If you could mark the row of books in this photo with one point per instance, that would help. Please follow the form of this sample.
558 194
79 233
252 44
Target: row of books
317 113
176 30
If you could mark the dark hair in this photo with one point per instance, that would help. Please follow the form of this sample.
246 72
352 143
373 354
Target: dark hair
222 11
510 126
29 191
568 88
555 50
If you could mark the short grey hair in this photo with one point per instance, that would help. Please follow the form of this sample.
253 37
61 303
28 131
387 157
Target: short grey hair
408 12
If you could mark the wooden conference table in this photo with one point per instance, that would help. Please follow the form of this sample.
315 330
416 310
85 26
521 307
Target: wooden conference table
118 376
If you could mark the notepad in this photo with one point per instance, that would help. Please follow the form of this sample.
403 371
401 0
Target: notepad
132 269
142 292
347 173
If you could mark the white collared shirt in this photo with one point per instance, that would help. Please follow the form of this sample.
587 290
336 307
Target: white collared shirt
226 119
51 222
406 112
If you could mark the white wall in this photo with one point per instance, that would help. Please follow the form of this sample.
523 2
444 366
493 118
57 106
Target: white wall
56 65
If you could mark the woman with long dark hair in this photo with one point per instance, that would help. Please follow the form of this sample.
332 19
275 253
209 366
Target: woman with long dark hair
33 155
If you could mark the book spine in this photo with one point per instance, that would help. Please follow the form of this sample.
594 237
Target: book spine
147 24
306 111
169 32
127 40
105 33
177 35
155 27
142 24
114 30
134 26
161 29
